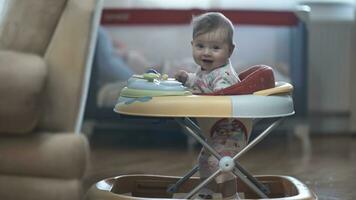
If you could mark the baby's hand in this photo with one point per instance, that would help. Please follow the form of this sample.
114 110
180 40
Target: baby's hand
181 76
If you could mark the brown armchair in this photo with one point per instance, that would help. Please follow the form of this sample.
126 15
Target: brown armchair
46 50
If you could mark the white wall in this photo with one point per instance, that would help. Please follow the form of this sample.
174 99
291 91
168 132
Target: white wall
330 53
2 6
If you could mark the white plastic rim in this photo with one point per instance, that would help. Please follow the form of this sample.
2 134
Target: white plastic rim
256 106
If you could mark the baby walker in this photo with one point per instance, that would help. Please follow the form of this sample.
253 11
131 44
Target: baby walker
256 96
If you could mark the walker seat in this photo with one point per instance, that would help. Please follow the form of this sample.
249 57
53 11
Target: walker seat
255 78
256 96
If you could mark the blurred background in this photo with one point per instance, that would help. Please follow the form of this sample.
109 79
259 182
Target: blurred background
310 44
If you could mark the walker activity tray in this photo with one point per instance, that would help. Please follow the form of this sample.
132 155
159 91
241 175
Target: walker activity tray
148 96
256 96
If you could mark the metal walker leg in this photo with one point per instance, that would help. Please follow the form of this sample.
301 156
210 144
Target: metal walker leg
244 175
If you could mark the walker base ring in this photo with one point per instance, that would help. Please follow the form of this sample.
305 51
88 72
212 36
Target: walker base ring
153 187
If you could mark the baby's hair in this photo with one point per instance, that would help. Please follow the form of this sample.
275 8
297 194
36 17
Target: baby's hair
212 21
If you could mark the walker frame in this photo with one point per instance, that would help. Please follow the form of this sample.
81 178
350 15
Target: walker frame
279 105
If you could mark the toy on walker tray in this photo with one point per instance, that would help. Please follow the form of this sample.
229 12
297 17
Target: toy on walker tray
256 96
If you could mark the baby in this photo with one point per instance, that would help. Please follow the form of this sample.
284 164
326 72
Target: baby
212 47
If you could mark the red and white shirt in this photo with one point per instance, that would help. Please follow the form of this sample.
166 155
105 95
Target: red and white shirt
211 81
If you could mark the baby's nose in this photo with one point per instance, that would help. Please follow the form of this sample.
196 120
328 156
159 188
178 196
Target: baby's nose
207 51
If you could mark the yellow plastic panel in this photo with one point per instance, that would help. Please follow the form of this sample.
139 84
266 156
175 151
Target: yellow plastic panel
281 87
179 106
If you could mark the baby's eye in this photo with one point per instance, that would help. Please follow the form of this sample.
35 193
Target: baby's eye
216 47
200 46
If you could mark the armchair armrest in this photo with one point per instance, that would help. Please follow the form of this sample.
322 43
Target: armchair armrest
22 78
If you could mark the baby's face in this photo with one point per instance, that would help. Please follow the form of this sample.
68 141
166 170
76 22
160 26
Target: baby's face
211 50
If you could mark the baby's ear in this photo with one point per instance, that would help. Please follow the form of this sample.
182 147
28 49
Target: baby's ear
232 47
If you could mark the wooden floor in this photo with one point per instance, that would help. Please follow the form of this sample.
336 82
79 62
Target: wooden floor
327 164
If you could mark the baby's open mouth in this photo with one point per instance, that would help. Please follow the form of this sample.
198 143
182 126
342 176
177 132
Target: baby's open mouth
207 61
